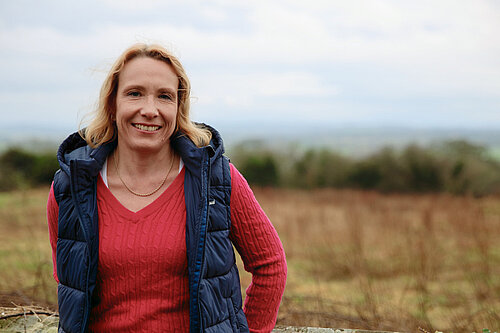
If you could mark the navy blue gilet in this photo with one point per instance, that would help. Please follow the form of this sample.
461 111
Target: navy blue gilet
214 284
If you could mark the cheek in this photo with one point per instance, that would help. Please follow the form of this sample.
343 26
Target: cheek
118 111
172 116
123 111
120 118
172 123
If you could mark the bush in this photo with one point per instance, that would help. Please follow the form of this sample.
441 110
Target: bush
44 168
365 175
20 169
260 170
468 168
423 170
320 168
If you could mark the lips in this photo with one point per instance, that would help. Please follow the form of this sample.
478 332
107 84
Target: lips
147 128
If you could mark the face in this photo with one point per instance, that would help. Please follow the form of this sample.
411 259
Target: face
146 105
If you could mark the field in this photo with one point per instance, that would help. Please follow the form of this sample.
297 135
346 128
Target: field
355 259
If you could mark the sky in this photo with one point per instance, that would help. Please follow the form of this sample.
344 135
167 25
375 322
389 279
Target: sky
263 64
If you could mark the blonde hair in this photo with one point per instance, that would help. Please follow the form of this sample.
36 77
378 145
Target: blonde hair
102 127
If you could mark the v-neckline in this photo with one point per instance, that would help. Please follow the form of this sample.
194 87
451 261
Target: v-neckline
145 211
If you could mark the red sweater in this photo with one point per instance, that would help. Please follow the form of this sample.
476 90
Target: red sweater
142 279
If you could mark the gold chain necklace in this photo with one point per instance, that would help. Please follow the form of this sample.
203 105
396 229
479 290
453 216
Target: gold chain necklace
143 194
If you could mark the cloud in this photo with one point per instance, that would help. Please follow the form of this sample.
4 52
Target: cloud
355 57
251 87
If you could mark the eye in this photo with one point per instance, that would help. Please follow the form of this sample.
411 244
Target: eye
167 97
134 93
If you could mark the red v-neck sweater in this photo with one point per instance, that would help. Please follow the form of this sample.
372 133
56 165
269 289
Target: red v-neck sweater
142 279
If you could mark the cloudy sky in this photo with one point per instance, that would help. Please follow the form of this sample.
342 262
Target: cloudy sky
427 63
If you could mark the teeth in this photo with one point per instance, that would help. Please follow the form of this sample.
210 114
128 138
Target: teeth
147 128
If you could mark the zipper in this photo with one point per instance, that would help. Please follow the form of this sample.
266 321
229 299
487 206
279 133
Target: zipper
206 217
88 300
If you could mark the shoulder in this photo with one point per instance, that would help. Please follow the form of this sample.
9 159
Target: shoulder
236 176
238 182
61 186
90 161
70 148
74 147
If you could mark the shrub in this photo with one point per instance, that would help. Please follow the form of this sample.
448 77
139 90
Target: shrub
20 168
260 170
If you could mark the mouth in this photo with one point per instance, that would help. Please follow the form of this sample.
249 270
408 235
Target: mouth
147 128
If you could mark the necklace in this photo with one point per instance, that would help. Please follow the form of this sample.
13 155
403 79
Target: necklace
143 194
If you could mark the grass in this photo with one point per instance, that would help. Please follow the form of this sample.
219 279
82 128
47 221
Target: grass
394 262
25 255
355 259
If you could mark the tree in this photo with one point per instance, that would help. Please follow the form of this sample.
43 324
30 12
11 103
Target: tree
260 170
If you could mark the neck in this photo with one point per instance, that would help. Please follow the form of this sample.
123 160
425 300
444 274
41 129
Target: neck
146 163
136 179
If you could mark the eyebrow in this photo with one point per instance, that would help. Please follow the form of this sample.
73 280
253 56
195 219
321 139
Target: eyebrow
141 87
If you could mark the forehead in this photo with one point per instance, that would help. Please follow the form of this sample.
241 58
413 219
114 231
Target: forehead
148 71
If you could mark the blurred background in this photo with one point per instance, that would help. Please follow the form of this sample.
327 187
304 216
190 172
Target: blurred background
369 131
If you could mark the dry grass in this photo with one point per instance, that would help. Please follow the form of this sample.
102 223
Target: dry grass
25 254
355 259
395 262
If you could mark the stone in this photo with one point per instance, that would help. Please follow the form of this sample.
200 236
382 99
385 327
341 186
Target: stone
30 324
27 320
292 329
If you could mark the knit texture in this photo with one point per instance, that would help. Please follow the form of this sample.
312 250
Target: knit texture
142 274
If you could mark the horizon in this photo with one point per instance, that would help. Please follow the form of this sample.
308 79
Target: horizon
355 141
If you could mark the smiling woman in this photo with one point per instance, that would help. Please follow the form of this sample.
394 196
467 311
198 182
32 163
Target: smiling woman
146 105
147 244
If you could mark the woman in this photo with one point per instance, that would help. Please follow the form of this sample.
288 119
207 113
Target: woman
144 212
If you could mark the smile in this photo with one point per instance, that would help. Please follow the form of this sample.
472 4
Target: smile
148 128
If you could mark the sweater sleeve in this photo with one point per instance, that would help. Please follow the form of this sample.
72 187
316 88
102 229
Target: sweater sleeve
52 218
262 253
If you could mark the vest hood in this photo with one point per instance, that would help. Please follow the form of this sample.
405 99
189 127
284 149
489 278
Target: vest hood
74 147
191 154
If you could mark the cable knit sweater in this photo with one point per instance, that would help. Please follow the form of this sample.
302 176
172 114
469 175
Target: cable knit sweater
142 271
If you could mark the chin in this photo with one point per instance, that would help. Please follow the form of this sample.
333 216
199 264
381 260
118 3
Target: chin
152 147
144 144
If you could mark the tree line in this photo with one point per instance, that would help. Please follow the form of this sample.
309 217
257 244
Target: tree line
456 167
20 168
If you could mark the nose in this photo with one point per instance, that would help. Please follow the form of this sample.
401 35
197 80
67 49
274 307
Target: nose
149 109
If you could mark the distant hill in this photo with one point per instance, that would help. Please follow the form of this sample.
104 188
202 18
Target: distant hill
357 141
349 140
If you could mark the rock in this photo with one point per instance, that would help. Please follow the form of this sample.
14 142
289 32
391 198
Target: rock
28 319
293 329
30 324
22 320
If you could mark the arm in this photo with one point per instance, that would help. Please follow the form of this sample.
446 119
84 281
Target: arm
52 218
262 253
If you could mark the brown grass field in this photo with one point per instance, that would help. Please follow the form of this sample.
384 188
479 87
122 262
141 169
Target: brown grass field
355 259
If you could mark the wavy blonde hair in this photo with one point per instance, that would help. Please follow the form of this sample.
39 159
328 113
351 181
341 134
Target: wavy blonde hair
102 127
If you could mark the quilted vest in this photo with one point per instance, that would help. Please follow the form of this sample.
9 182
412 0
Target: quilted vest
214 284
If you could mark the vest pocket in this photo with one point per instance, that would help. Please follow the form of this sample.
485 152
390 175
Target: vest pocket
71 303
72 263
